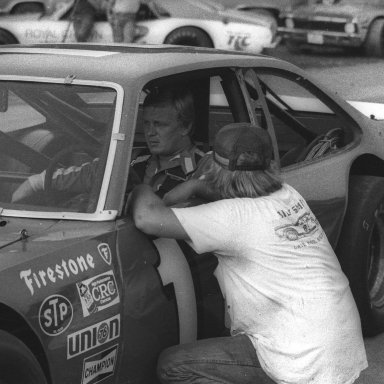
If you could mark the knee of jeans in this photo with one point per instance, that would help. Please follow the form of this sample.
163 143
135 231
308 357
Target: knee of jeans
166 363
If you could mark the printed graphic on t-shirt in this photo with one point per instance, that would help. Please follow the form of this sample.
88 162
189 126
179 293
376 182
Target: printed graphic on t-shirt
304 227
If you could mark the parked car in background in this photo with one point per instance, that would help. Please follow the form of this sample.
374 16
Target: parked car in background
85 296
341 23
195 23
14 7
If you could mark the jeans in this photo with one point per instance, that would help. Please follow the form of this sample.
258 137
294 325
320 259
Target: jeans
123 27
230 360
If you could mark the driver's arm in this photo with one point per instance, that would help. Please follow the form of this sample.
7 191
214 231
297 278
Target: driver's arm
76 179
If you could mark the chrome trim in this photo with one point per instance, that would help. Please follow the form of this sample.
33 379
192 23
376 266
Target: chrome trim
100 214
319 31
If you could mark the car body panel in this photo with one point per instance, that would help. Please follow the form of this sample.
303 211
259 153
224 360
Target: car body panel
49 6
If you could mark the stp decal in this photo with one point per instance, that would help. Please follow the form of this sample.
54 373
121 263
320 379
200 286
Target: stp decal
55 315
93 336
36 279
105 252
99 366
98 293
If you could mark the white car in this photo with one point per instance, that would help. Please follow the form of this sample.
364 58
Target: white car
181 22
29 6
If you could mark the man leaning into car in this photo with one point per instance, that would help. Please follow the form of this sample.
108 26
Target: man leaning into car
168 117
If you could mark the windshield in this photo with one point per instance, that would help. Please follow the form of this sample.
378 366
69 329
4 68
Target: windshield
54 140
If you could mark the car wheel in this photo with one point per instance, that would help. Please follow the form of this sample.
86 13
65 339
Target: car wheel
17 362
374 41
27 8
361 249
190 36
7 38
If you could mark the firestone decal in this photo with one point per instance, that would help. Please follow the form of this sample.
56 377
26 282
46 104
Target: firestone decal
105 252
91 337
55 315
99 366
98 293
64 270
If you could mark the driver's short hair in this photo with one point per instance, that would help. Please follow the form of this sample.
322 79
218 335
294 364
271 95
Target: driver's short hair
178 96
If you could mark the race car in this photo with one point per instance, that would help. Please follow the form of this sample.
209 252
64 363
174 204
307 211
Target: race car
352 24
29 6
196 23
85 296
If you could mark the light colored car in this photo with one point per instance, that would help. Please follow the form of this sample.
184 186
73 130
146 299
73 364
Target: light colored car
196 23
85 297
29 6
357 24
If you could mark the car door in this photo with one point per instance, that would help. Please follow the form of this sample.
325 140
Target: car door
311 136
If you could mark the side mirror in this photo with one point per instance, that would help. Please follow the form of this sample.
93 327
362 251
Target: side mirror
4 94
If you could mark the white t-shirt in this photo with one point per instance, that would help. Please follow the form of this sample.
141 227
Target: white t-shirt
283 285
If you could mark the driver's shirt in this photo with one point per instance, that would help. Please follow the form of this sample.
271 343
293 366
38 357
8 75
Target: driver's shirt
164 177
80 179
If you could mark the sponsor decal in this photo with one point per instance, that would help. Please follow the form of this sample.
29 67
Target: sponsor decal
239 41
64 270
99 366
105 252
98 293
55 315
91 337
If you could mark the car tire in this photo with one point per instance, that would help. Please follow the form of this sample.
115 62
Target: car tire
17 362
190 36
361 249
7 38
27 8
374 41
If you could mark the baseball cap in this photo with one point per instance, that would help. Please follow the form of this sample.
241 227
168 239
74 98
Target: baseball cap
242 147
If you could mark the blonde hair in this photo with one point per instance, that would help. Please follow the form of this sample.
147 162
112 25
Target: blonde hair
231 184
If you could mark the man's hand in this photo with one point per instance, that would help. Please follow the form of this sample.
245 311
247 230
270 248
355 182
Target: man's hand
181 193
192 188
23 191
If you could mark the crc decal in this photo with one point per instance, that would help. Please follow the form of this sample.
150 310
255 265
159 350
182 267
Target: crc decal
65 269
91 337
99 366
105 252
98 293
55 315
239 42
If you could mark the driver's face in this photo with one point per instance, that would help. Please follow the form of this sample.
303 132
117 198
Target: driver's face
163 131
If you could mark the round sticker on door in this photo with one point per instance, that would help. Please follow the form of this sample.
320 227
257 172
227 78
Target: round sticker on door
55 315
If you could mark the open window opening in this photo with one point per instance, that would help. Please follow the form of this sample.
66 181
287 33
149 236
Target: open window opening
306 123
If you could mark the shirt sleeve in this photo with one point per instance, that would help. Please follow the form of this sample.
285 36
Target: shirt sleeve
211 227
75 179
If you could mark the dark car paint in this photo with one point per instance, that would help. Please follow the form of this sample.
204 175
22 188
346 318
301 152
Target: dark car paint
148 316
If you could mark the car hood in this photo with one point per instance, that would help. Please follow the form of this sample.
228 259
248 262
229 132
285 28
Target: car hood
25 239
344 11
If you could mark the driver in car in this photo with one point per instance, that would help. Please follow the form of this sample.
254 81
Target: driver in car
168 117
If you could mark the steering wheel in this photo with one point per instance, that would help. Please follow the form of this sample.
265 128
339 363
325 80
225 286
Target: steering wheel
48 191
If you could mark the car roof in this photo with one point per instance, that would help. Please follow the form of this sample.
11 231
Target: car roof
109 62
